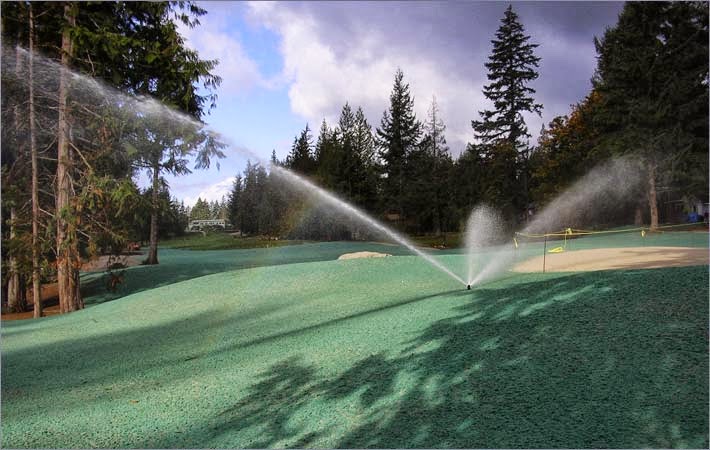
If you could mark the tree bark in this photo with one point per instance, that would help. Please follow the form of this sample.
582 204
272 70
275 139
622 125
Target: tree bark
15 290
652 198
15 293
67 249
153 252
36 286
638 216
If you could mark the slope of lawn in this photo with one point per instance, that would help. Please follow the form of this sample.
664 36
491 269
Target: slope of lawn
368 353
179 265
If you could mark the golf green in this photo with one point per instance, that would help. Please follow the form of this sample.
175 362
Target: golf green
383 352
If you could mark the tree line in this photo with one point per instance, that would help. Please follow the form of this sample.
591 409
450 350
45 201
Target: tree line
648 100
71 147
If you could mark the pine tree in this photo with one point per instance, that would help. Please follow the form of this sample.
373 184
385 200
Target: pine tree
652 76
347 164
234 205
366 183
301 158
502 133
435 145
396 138
201 210
511 66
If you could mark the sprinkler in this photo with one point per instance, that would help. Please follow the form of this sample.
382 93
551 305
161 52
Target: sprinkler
468 286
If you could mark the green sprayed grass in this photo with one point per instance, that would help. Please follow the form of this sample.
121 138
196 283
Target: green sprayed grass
366 353
222 241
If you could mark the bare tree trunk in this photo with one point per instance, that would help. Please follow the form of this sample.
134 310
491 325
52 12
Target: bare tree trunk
153 252
67 252
36 286
15 295
16 298
652 198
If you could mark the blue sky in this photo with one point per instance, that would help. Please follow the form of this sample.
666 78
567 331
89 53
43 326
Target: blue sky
287 64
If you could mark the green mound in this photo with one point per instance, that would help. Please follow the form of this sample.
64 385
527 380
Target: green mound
180 265
369 353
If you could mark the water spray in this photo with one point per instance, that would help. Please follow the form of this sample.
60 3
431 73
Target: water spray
147 106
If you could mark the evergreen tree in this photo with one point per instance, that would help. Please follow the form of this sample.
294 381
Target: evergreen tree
396 138
274 160
511 66
327 156
364 147
235 206
250 200
652 76
347 164
132 46
434 144
301 159
201 210
502 131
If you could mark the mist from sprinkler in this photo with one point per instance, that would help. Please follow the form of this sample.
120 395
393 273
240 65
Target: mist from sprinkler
48 71
600 191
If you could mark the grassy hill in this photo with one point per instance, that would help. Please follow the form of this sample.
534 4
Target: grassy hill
363 353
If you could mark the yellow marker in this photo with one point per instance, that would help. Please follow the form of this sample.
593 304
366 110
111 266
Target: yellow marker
515 241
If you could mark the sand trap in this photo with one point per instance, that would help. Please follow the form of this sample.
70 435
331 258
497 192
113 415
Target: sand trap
616 258
357 255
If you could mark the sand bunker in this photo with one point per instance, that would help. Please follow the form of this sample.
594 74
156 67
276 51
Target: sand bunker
616 258
363 255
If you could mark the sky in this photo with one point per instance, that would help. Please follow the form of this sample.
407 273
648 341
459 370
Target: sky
285 65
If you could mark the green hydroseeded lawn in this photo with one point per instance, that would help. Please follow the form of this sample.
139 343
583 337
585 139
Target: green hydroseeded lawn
364 353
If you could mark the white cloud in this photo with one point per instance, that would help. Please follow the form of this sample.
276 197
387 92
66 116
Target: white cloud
212 40
322 79
212 192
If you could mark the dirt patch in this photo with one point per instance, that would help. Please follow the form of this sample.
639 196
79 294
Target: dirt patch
100 263
46 311
50 292
616 258
357 255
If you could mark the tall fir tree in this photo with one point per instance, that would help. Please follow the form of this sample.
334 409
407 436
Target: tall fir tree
301 158
502 133
397 136
434 143
347 167
234 203
364 148
511 66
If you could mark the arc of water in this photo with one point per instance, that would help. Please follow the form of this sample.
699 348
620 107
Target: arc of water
150 106
354 212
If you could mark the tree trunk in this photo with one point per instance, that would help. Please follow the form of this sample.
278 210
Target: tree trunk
67 250
652 199
153 252
638 216
15 290
36 286
15 294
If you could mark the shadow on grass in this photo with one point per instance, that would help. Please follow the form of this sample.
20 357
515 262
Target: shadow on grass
614 359
594 360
